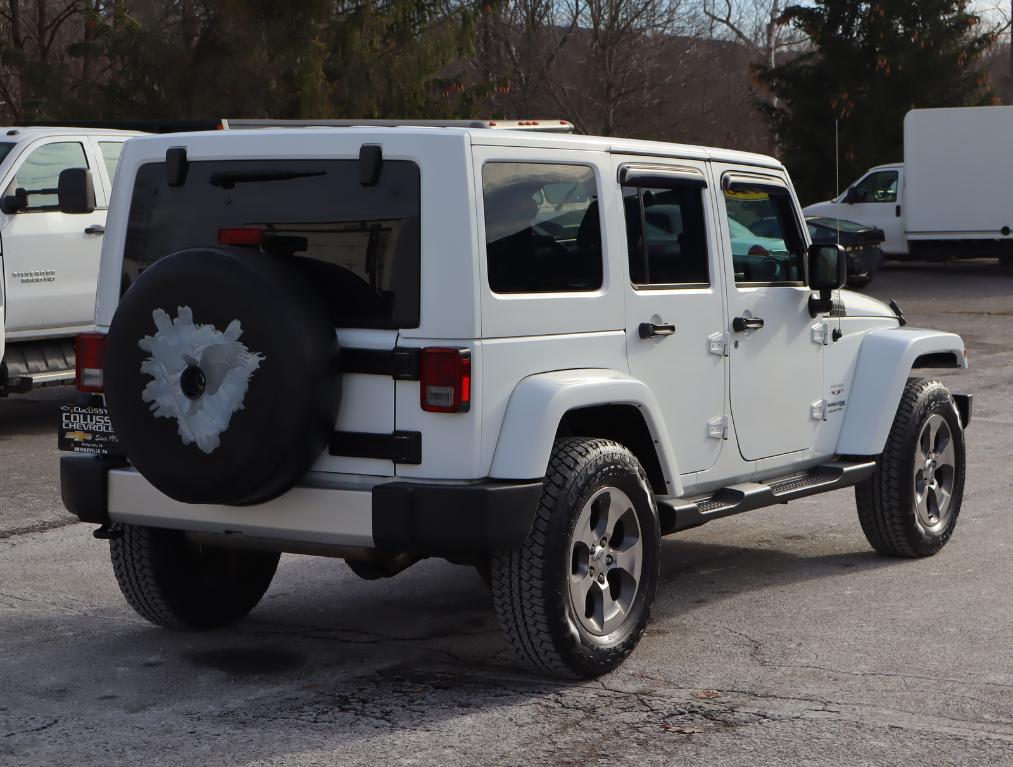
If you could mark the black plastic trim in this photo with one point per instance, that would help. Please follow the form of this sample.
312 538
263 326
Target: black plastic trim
399 364
678 514
403 447
965 406
445 519
84 485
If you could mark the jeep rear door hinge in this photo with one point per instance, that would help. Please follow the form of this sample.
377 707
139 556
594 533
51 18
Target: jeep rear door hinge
821 333
717 343
717 428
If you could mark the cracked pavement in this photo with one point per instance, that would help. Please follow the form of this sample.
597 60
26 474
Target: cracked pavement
778 637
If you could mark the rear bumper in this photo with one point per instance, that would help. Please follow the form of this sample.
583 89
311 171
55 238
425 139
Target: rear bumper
422 518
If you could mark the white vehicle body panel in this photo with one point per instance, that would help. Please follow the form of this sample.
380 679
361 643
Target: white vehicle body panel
686 376
884 364
314 512
50 264
943 194
525 444
771 410
958 194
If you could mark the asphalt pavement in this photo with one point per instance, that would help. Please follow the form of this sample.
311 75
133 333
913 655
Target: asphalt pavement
778 637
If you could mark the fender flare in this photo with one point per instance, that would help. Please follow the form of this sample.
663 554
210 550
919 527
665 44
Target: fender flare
539 402
884 364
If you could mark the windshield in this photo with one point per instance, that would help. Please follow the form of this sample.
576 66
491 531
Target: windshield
5 149
359 245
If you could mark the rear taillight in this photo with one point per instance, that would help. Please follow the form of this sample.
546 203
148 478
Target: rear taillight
758 250
240 236
445 380
90 351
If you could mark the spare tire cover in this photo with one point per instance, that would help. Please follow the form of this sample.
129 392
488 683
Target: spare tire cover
222 377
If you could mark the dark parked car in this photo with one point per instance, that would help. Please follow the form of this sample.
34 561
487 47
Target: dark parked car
862 244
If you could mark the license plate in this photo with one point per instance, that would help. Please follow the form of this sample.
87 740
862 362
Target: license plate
87 430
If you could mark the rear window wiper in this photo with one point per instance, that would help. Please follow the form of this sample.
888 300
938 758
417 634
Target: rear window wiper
227 179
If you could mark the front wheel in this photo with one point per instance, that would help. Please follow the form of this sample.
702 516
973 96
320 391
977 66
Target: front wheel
909 507
575 597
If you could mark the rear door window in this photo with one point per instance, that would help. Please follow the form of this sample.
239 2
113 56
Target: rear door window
542 228
360 246
666 236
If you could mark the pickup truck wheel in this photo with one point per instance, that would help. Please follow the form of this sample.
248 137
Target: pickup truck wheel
909 507
574 599
173 582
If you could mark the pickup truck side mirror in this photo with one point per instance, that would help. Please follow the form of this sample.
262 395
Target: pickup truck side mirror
75 191
851 196
14 203
828 271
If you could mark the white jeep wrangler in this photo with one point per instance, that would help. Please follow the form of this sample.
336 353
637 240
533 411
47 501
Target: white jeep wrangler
530 352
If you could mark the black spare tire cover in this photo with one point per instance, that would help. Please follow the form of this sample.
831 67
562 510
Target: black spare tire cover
222 377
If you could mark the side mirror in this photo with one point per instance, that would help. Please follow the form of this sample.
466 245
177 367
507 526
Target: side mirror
851 196
14 203
828 271
75 191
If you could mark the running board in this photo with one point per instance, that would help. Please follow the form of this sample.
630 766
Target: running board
681 514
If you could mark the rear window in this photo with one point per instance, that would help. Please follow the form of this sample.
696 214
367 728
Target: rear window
359 245
542 228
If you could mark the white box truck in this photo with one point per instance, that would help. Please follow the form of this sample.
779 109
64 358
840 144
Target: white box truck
952 197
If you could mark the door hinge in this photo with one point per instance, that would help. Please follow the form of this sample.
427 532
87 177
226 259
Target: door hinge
818 410
717 428
717 343
821 333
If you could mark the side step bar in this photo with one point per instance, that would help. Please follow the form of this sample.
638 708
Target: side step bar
681 514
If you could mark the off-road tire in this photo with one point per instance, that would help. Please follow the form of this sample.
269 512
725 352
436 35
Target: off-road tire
178 584
529 584
886 501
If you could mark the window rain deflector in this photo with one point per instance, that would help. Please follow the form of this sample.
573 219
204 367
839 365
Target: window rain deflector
661 177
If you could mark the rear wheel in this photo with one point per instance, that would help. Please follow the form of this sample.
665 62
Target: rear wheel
909 508
173 582
575 598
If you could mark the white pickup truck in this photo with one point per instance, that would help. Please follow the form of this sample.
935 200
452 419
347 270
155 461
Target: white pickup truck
949 198
55 185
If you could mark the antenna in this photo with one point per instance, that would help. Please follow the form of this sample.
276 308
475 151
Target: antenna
837 169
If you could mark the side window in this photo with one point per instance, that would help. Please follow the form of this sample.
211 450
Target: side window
111 151
542 228
666 236
767 245
40 173
876 187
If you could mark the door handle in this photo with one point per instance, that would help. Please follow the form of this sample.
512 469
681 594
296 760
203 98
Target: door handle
95 229
898 211
742 324
650 330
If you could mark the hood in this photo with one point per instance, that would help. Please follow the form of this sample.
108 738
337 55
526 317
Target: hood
860 305
827 207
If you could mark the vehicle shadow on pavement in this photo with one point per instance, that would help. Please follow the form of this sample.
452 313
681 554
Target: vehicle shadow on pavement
37 413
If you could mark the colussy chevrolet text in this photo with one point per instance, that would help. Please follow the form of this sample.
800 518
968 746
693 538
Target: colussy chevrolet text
532 352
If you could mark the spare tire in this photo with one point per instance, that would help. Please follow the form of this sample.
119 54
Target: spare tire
222 375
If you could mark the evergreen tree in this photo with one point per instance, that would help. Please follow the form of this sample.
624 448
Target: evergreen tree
868 64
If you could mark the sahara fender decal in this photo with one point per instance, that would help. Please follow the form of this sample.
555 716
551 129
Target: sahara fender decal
539 402
200 375
881 372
